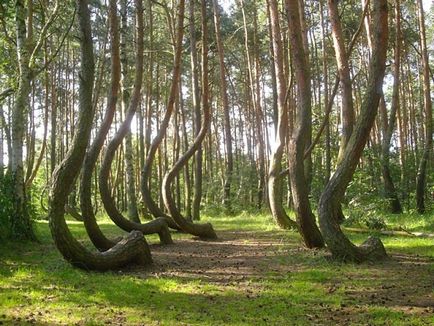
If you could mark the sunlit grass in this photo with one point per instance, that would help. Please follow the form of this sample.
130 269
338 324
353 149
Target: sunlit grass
36 285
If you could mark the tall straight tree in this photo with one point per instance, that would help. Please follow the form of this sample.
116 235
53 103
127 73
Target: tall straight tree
389 122
133 214
226 113
197 114
423 165
27 50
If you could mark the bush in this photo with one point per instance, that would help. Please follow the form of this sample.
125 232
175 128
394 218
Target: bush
366 215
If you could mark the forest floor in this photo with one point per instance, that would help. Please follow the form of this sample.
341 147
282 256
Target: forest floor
254 274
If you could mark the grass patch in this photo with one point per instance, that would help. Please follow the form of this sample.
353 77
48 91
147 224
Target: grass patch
267 278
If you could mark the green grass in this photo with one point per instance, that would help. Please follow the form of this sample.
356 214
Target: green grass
297 286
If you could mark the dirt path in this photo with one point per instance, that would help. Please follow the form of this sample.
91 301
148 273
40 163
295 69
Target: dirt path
402 284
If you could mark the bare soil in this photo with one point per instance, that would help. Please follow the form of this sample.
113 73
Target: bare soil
402 283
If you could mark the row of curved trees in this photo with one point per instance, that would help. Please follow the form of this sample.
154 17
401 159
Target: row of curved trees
151 118
114 253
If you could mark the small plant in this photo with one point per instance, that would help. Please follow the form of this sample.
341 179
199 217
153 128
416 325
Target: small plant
374 222
366 215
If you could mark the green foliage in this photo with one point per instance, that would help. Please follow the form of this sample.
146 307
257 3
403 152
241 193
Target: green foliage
6 205
7 229
366 217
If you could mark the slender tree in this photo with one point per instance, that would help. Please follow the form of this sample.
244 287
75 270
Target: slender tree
226 113
274 176
206 230
299 139
424 162
389 122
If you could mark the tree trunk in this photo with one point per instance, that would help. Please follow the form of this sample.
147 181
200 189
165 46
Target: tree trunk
147 168
129 164
300 138
389 127
274 175
96 236
21 224
133 248
227 121
347 112
198 163
340 246
423 165
204 231
158 225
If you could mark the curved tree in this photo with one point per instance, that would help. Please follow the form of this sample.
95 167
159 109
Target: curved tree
147 168
206 230
344 75
340 246
274 175
97 237
133 248
158 225
300 138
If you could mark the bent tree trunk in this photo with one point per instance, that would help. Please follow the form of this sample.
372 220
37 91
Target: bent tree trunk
147 168
274 175
340 246
344 76
300 138
158 225
100 241
133 248
204 231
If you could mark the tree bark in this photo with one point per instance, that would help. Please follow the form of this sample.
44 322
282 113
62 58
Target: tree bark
340 246
158 225
300 137
204 231
21 224
99 240
274 176
147 168
347 112
426 156
389 127
198 163
227 121
132 213
133 248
